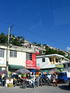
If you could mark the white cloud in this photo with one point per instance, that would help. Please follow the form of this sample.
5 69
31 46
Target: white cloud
68 48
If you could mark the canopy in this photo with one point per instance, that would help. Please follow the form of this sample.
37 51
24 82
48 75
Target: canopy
22 71
15 67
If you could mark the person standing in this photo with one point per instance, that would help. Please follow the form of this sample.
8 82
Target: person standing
3 81
0 80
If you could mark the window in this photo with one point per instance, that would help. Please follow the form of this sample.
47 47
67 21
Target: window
56 60
43 59
50 59
29 56
68 64
1 52
13 53
64 65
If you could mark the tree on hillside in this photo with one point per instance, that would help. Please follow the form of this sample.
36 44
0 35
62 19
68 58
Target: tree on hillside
48 50
12 39
15 41
3 38
21 39
37 44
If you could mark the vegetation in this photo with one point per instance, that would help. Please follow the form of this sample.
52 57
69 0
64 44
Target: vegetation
37 44
12 40
49 50
68 56
3 38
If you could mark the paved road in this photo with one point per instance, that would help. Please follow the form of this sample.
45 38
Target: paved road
44 89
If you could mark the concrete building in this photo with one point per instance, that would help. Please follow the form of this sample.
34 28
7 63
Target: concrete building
67 66
16 57
47 62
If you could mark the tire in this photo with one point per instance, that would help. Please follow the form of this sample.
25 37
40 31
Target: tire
23 85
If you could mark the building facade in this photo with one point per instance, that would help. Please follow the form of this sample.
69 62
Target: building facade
67 66
51 62
16 57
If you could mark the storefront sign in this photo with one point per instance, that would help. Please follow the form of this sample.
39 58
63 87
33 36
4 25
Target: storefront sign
59 65
31 63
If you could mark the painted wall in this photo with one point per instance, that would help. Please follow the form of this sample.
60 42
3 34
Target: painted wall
67 66
43 64
3 59
50 64
19 60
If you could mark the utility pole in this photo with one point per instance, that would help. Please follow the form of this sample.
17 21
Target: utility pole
8 46
7 52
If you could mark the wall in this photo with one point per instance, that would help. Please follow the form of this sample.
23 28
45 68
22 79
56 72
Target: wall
43 64
19 60
47 63
67 67
3 60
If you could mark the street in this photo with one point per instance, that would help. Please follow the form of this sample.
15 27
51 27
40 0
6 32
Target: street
43 89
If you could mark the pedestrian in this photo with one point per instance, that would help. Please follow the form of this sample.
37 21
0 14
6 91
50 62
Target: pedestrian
33 80
0 80
54 80
14 81
3 81
38 80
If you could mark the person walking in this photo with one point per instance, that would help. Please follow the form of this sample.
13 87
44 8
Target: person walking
38 80
54 80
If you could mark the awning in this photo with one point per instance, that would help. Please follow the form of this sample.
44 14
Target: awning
47 71
15 67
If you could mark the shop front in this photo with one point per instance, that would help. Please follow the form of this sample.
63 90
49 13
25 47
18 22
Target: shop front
52 68
14 67
59 67
31 64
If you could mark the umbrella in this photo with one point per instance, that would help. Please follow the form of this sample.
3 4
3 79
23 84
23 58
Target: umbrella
22 71
3 72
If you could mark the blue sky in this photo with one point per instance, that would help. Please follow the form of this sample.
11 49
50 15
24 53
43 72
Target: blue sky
41 21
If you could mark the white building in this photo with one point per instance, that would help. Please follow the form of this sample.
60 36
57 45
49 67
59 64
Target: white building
16 57
51 61
67 66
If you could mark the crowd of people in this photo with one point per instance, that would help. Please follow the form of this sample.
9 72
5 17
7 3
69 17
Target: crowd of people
40 80
32 80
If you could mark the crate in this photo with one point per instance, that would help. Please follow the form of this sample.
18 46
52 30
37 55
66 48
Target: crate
10 85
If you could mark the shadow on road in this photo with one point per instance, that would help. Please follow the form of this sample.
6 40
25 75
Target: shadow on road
65 87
